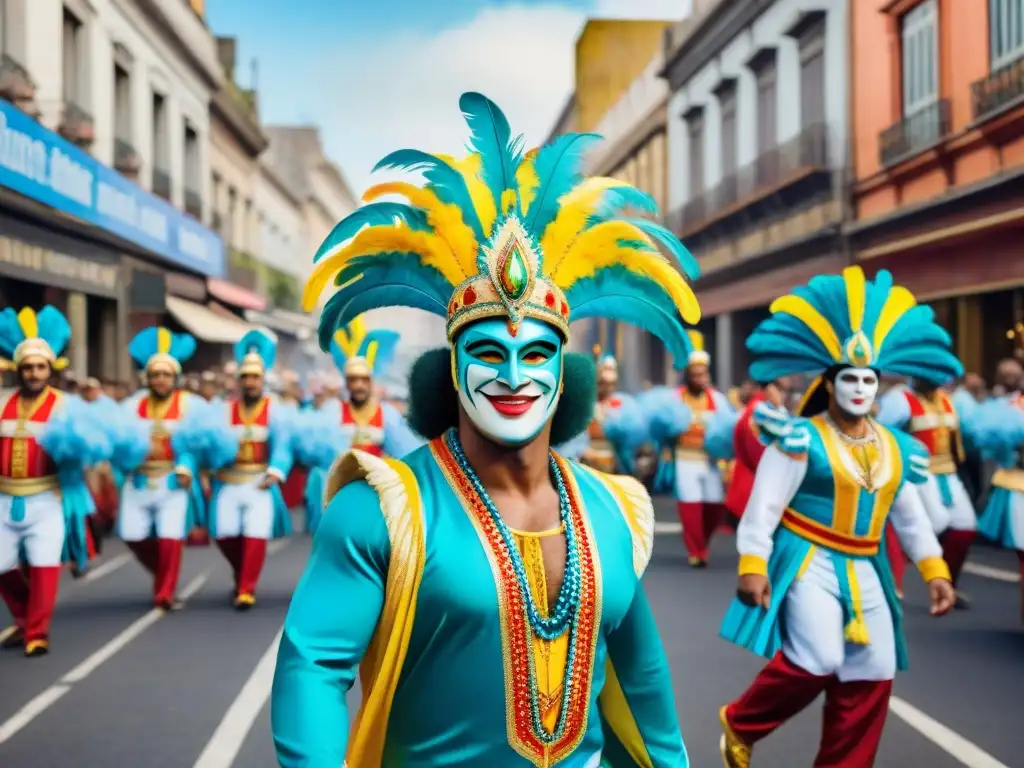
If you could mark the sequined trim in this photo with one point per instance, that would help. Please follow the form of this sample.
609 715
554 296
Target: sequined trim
515 630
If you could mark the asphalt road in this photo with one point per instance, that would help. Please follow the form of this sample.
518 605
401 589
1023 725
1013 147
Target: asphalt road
127 688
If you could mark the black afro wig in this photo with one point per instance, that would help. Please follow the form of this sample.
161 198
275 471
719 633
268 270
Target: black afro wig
434 403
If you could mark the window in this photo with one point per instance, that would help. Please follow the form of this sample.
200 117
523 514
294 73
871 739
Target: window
764 69
812 80
727 100
695 131
1006 31
74 58
3 26
161 144
229 219
122 104
191 158
919 33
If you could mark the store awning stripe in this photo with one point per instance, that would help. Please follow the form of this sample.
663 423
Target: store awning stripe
204 323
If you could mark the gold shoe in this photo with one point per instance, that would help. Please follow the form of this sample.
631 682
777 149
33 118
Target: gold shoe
735 754
245 601
37 648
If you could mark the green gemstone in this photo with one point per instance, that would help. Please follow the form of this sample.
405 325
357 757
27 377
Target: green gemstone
514 275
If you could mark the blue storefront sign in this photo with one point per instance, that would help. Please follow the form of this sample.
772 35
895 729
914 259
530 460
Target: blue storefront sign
40 164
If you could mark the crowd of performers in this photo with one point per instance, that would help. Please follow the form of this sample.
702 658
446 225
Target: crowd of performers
452 537
165 467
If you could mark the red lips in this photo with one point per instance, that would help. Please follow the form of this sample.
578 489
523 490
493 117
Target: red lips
511 406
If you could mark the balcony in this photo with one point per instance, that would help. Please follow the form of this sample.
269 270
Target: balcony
162 183
17 87
915 133
76 125
127 160
193 203
244 270
773 171
1001 90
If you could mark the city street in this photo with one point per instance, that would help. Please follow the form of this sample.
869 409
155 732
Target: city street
128 688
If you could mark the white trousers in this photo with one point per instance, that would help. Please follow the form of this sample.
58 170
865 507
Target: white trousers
1017 519
814 625
959 515
146 512
698 481
244 509
40 534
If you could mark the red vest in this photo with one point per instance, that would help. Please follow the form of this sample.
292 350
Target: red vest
365 432
701 407
254 433
160 450
21 457
935 423
748 449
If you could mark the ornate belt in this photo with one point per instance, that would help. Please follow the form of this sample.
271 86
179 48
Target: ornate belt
942 464
28 486
156 469
825 536
1010 479
240 474
691 454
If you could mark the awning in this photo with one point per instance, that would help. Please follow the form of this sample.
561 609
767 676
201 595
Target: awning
205 324
235 295
296 324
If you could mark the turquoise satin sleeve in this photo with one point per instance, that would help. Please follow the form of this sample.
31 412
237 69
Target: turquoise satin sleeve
281 457
330 623
399 439
636 653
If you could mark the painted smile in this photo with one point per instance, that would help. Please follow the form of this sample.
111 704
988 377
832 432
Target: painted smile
858 401
511 406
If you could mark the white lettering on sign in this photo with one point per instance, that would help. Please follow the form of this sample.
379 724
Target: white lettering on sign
153 223
112 202
21 154
69 178
192 244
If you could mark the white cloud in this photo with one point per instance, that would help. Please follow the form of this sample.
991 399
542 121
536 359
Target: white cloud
403 90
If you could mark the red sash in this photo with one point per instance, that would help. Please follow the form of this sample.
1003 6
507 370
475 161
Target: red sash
21 456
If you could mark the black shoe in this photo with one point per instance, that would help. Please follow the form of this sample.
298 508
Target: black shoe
15 639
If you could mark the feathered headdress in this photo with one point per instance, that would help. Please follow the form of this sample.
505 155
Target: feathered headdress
847 320
607 365
358 352
505 234
156 346
29 333
699 355
255 353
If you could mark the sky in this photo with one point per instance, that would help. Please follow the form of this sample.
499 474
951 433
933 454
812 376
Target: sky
379 75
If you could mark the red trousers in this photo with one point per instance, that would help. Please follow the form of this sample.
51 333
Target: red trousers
699 520
897 560
855 711
246 557
162 558
955 546
31 599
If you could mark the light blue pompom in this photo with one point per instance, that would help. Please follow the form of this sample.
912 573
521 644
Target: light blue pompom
670 417
718 435
624 425
317 441
75 437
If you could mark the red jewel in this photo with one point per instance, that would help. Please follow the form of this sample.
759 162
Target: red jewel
469 296
565 310
550 299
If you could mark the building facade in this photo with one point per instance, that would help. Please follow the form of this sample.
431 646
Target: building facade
938 194
757 145
103 167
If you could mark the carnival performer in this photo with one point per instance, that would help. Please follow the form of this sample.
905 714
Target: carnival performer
999 434
47 441
682 421
815 594
363 421
926 412
161 500
618 427
484 551
252 456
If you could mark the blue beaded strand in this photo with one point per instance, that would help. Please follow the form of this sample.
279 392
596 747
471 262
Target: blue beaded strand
557 622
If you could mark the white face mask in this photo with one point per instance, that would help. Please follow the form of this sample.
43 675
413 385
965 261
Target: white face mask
855 390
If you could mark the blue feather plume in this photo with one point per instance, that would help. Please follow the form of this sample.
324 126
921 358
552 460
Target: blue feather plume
259 342
317 441
624 425
371 214
52 326
491 138
559 168
74 436
687 263
387 348
669 416
718 435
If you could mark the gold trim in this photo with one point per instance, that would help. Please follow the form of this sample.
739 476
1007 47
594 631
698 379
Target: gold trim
941 464
690 454
240 474
1010 479
155 468
28 486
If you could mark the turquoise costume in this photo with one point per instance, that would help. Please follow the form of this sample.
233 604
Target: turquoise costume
466 658
998 431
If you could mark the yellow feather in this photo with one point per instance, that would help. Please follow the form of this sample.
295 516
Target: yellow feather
856 296
897 303
804 311
483 201
374 241
600 237
574 210
28 322
371 353
163 341
653 266
696 339
351 337
445 218
528 181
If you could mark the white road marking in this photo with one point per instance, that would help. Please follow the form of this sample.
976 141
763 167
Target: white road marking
47 698
988 572
107 568
233 730
954 744
665 528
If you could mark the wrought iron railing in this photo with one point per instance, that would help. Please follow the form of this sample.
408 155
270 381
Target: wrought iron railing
915 133
808 150
1000 89
162 183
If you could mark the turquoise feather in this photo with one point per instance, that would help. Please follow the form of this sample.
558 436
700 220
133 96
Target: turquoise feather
387 348
259 342
396 264
500 154
372 214
52 325
442 179
687 263
618 199
558 167
398 290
